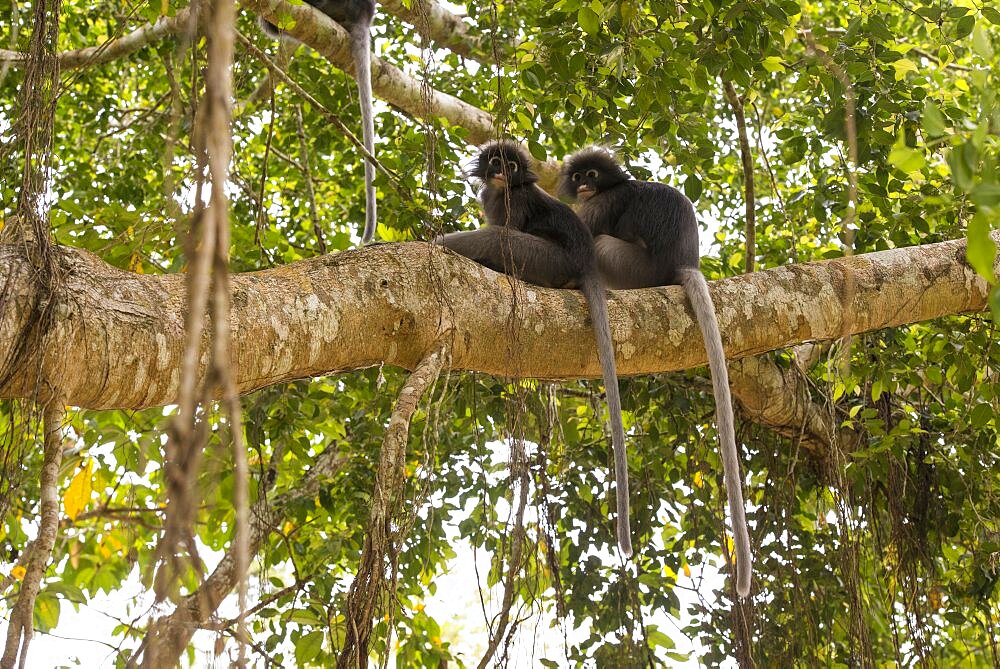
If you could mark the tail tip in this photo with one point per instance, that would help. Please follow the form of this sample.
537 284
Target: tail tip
743 581
625 542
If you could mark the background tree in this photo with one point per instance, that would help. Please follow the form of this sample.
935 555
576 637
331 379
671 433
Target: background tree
803 132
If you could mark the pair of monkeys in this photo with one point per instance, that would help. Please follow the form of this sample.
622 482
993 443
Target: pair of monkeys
624 234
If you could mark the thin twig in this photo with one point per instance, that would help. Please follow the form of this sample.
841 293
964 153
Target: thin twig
749 197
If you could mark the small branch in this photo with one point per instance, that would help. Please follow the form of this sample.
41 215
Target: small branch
113 49
519 468
367 588
20 628
168 637
749 197
438 24
388 81
779 398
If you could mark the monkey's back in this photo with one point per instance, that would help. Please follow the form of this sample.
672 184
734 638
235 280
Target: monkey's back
661 217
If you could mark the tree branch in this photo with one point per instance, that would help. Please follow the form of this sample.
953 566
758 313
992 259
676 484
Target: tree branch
113 49
170 635
117 338
20 629
388 82
435 22
367 587
780 399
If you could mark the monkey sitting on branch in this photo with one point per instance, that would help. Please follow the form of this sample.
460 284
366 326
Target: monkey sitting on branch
536 238
645 235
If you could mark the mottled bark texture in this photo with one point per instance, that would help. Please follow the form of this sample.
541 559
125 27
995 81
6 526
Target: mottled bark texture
118 337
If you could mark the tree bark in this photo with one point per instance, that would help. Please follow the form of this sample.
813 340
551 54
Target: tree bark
118 337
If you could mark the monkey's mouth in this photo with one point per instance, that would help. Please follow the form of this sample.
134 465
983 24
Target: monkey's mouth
585 192
499 178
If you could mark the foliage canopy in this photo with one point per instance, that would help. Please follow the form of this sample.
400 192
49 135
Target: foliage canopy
889 553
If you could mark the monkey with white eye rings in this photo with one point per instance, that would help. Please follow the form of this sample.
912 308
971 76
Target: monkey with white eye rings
356 17
645 234
533 236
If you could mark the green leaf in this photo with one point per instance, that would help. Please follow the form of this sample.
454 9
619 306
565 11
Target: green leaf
589 20
995 303
934 122
46 615
981 43
982 249
992 15
308 647
906 159
986 195
981 415
536 150
773 64
692 188
964 26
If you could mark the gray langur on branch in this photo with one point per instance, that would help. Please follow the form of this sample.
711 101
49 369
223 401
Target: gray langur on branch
534 237
356 18
645 234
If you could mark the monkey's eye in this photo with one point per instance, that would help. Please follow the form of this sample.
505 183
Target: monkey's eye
592 174
495 162
576 177
512 167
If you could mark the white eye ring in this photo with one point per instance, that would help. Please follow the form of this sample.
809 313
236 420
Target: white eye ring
494 161
576 177
592 174
512 165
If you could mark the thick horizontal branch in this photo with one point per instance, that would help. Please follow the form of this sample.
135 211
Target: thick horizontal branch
388 81
118 338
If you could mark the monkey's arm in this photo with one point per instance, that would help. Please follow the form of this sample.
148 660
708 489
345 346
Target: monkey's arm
528 257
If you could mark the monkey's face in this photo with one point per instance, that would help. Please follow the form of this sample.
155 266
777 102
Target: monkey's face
585 184
503 165
588 172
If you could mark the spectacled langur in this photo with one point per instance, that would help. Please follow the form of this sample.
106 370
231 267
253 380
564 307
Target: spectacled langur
356 17
645 234
533 236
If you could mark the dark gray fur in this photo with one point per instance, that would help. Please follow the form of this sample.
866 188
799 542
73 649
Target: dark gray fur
356 17
533 236
646 234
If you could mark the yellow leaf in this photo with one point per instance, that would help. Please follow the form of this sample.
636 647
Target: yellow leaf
419 607
904 65
130 231
135 263
699 479
687 570
78 493
18 572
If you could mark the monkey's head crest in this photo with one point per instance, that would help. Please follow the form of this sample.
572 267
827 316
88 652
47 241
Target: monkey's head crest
590 171
502 164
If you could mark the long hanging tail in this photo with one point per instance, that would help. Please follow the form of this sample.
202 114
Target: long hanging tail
361 46
593 289
696 289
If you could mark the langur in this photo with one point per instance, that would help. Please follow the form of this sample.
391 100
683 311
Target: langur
356 17
533 236
645 235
